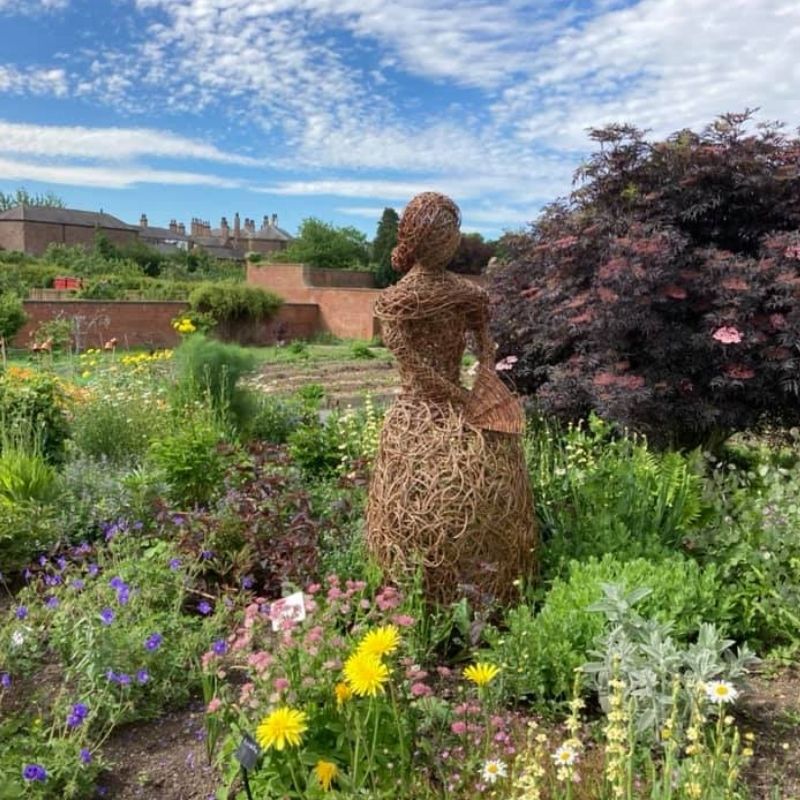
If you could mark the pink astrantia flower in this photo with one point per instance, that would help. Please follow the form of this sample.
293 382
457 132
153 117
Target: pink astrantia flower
727 335
421 690
214 705
459 728
403 620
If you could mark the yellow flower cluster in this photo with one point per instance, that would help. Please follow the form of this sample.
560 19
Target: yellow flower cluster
136 359
284 726
365 672
184 326
481 673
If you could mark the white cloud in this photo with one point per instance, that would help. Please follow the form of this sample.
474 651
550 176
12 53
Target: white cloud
107 177
109 144
31 6
32 80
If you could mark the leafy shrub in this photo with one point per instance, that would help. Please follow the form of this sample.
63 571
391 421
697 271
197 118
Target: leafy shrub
541 649
314 447
118 430
208 370
192 459
26 478
661 294
754 543
650 662
298 347
275 418
32 407
26 530
12 316
234 304
360 350
598 491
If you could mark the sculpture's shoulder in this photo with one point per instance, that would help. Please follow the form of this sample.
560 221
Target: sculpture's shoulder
418 295
394 302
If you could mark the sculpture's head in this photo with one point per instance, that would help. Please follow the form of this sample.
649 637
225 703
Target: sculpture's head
428 233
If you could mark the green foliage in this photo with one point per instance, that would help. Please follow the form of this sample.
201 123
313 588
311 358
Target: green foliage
208 370
644 655
33 409
382 246
60 330
26 530
755 544
192 459
541 648
12 315
320 244
314 447
275 418
26 478
118 430
22 197
598 491
361 350
231 303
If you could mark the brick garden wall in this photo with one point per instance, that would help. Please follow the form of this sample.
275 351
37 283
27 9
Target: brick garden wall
148 324
344 309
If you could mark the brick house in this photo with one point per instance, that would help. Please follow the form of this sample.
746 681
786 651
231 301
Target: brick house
30 229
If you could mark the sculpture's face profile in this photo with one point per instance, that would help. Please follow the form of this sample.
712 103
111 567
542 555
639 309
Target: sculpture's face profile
429 232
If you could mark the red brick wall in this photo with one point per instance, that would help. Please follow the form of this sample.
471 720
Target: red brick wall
11 237
345 312
148 324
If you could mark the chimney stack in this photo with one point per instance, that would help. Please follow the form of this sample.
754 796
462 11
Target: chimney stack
194 226
181 229
274 220
224 231
237 229
173 226
265 223
143 221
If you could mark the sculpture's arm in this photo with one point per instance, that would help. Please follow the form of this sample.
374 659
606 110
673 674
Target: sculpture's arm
430 380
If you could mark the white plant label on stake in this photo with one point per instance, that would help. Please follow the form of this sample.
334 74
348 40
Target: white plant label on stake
291 607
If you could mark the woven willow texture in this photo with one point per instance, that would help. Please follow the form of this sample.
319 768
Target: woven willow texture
450 491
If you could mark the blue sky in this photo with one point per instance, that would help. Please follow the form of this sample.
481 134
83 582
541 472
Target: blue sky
336 109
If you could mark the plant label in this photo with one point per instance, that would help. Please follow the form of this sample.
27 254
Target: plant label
248 752
291 608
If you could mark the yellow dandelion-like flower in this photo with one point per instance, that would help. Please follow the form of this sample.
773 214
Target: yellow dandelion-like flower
343 693
481 673
365 674
380 642
326 772
284 726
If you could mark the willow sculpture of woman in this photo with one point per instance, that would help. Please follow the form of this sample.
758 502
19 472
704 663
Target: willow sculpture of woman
449 492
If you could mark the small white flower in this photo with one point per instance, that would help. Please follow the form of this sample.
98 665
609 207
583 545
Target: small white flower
565 756
17 639
721 692
493 769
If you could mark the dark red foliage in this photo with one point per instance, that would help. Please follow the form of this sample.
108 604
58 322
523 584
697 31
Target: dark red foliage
473 255
664 292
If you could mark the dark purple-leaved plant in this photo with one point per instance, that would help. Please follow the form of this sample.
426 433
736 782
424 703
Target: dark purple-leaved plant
664 292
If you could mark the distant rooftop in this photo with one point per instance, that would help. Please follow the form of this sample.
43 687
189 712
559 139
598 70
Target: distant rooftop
64 216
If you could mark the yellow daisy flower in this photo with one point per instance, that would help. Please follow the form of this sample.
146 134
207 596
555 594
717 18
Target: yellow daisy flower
326 772
343 693
481 673
380 642
284 726
365 674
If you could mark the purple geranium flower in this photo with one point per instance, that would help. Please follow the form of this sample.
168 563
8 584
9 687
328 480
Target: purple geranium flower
53 580
142 676
86 756
174 563
116 582
78 584
107 615
42 561
78 714
34 772
62 563
219 647
123 595
21 612
206 554
248 582
5 680
123 679
51 602
153 641
93 569
177 519
204 607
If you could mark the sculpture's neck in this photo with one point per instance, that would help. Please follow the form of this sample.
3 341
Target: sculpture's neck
423 269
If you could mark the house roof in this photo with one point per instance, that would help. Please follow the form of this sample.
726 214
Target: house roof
64 216
161 234
218 251
271 233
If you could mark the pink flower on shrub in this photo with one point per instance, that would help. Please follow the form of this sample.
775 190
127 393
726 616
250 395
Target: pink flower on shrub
259 661
280 684
214 705
403 620
727 335
388 598
313 588
421 690
506 364
459 728
246 691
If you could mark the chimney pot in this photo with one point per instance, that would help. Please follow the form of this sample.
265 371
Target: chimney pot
181 229
143 221
274 220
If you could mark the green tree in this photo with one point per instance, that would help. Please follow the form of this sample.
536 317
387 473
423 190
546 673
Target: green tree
473 254
382 246
12 318
22 197
320 244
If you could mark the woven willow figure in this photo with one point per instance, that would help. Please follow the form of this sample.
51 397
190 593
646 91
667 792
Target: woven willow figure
449 491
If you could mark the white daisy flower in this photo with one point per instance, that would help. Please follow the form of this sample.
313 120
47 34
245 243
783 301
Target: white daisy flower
17 639
493 769
565 756
721 692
